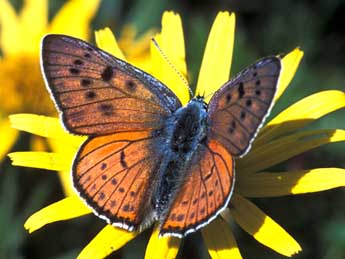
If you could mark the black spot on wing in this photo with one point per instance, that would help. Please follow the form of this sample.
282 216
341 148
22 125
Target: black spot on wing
107 73
180 217
240 90
112 203
126 207
85 82
102 196
74 71
107 109
242 115
130 85
90 95
122 159
228 97
103 166
78 62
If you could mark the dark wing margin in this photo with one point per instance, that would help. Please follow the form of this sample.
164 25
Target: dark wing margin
100 94
239 108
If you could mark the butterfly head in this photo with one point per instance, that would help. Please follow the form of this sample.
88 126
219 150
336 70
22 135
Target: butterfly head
200 99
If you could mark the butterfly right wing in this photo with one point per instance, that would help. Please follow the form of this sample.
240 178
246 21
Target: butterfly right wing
99 94
235 115
115 174
239 108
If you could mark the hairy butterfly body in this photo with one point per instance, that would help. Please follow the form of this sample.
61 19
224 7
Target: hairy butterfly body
148 158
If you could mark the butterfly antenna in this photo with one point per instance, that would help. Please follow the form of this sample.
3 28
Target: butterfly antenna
210 94
183 79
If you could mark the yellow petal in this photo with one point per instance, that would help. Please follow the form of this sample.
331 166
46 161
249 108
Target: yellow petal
281 149
290 64
65 179
133 45
162 247
106 40
216 63
220 241
69 152
44 126
8 137
34 19
171 42
10 38
42 160
63 147
38 143
137 48
108 240
302 113
262 227
292 182
68 208
74 18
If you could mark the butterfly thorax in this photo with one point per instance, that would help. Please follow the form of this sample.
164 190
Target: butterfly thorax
184 131
187 127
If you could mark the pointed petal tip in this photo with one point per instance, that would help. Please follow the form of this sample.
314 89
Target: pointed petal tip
162 247
216 63
108 240
106 40
67 208
263 228
290 64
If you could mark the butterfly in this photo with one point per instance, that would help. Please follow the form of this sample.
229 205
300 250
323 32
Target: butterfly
147 158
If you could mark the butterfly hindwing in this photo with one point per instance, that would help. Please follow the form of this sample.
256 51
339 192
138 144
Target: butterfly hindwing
115 175
204 193
239 108
100 94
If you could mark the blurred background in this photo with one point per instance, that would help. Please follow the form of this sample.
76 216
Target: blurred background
316 221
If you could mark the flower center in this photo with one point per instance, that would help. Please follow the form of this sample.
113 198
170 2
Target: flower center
22 87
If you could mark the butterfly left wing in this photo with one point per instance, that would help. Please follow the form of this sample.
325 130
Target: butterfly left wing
204 193
99 94
239 108
115 174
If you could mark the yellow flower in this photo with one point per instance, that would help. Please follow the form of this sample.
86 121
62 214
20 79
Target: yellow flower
21 85
276 142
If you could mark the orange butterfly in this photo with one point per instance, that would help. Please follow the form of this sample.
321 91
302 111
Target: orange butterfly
148 158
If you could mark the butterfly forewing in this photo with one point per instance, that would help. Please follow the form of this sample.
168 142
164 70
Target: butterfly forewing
238 109
100 94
